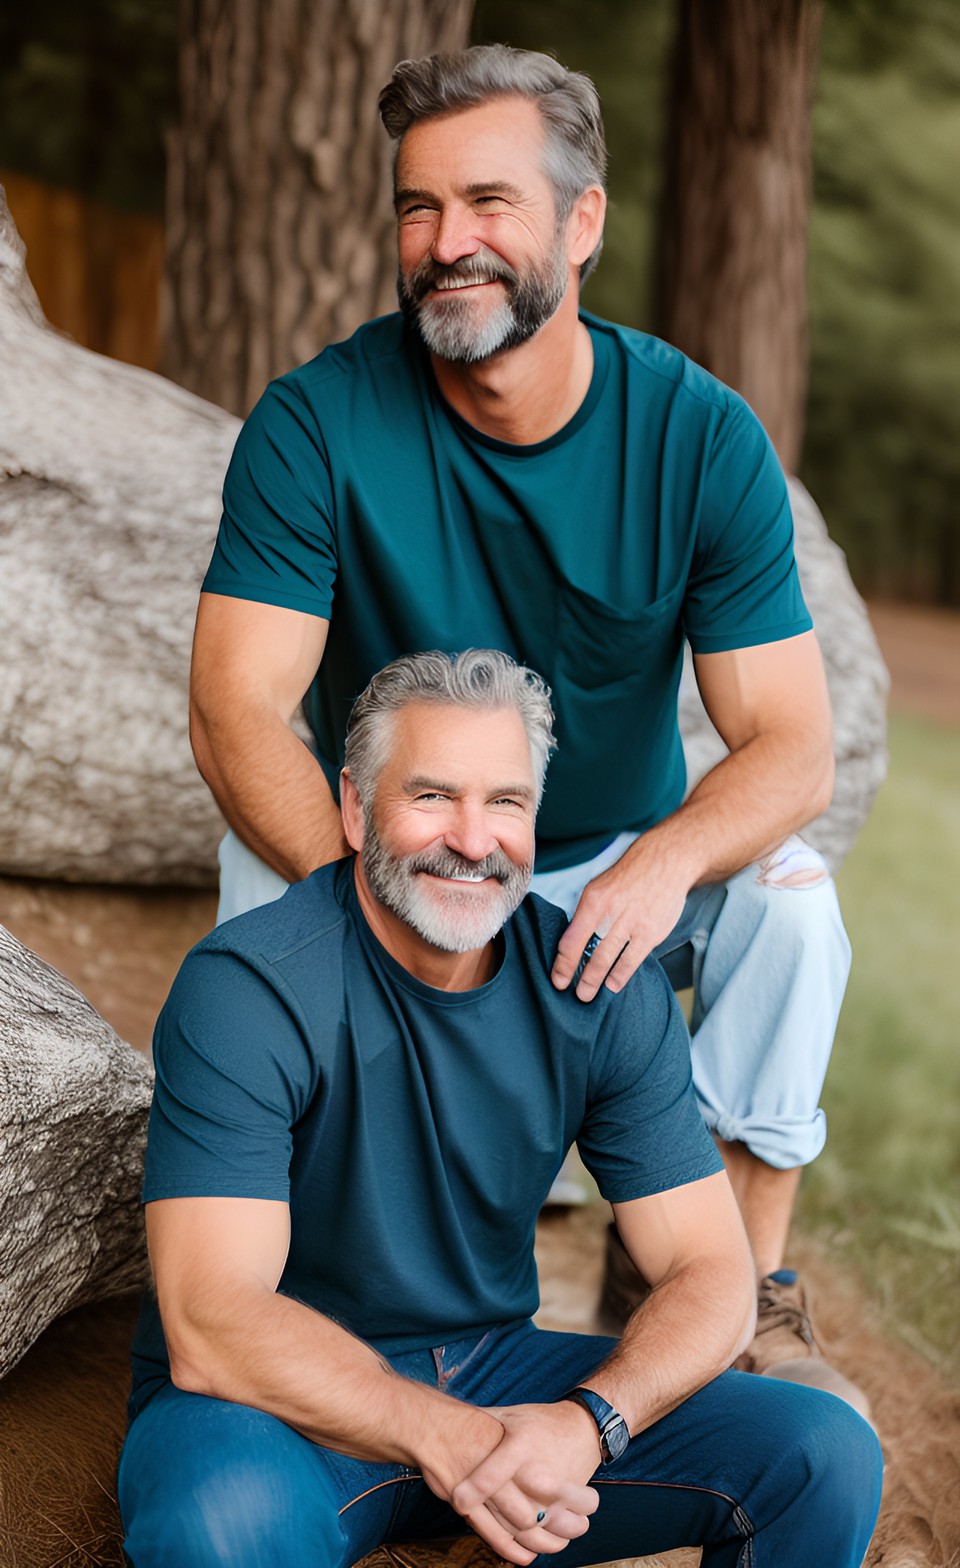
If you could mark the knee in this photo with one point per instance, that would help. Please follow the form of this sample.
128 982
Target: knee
789 902
833 1467
243 1514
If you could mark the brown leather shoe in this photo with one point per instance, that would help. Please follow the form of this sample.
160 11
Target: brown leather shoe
784 1345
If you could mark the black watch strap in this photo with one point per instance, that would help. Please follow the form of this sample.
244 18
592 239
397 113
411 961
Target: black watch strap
613 1431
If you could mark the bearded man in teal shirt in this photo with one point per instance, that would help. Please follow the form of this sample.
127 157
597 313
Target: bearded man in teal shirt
494 467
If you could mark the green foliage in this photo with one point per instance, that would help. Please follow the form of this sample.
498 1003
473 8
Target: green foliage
883 431
87 90
886 1190
625 50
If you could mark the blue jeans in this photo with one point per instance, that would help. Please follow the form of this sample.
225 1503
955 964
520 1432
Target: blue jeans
761 1473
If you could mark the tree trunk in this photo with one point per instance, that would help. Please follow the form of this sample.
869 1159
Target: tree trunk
732 279
279 210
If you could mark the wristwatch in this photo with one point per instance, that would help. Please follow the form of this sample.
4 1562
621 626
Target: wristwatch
613 1430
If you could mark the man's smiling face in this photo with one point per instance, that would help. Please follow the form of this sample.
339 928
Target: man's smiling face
448 839
483 263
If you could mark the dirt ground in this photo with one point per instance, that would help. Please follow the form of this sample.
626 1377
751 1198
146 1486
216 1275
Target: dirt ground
122 948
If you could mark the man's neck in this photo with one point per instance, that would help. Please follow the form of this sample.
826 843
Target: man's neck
528 393
431 965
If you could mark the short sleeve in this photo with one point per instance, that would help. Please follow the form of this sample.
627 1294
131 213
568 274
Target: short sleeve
232 1077
643 1132
743 588
276 543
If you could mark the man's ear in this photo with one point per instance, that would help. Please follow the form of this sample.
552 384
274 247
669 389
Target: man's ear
585 224
351 811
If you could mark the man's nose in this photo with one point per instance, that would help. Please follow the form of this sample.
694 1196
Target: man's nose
454 237
470 835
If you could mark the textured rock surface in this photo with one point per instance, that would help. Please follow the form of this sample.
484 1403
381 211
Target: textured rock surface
109 500
857 678
74 1099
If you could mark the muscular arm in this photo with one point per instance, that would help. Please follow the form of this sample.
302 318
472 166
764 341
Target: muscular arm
771 707
216 1264
252 664
689 1243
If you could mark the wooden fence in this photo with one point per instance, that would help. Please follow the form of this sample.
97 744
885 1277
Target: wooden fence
97 272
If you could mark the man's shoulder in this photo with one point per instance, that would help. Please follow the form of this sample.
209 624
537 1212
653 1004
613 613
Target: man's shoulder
658 363
295 930
538 926
375 348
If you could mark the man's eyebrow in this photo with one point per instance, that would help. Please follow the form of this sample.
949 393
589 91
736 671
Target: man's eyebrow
495 188
409 193
422 781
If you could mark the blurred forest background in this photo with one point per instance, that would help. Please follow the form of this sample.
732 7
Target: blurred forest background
89 92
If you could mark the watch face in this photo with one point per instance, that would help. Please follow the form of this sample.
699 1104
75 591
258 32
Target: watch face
615 1438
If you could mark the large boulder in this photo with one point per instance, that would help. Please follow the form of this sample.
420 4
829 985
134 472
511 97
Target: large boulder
109 500
74 1101
856 675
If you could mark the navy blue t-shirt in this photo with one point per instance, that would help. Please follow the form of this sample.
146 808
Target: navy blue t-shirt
414 1132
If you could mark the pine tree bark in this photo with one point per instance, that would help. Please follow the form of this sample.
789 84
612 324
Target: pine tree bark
279 212
732 276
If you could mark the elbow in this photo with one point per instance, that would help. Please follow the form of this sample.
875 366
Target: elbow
191 1374
828 774
748 1321
199 742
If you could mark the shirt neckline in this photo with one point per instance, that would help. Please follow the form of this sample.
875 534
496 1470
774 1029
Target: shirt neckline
601 369
402 977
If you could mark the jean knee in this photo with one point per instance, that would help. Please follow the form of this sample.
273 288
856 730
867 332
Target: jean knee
800 919
241 1514
835 1463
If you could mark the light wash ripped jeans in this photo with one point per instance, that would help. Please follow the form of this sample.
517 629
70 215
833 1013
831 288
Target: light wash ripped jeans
767 957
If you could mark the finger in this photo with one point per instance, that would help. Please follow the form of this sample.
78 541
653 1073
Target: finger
492 1475
501 1540
604 960
553 1537
626 965
566 1524
571 945
514 1508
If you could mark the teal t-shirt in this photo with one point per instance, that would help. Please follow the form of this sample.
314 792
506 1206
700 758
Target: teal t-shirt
414 1132
659 512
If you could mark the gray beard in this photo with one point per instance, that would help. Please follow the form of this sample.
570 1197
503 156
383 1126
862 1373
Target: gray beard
462 331
453 919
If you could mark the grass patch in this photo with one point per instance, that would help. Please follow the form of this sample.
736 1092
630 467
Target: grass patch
886 1190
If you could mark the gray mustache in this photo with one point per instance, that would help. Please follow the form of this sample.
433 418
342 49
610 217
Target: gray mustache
481 268
447 863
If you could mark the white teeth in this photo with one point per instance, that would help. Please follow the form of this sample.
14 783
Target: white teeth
461 283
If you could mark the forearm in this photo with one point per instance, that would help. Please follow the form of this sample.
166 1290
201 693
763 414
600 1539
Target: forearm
276 1354
686 1332
744 807
270 788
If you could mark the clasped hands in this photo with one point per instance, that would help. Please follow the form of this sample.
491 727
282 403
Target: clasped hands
528 1493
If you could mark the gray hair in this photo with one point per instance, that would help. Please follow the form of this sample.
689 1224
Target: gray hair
575 155
476 678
